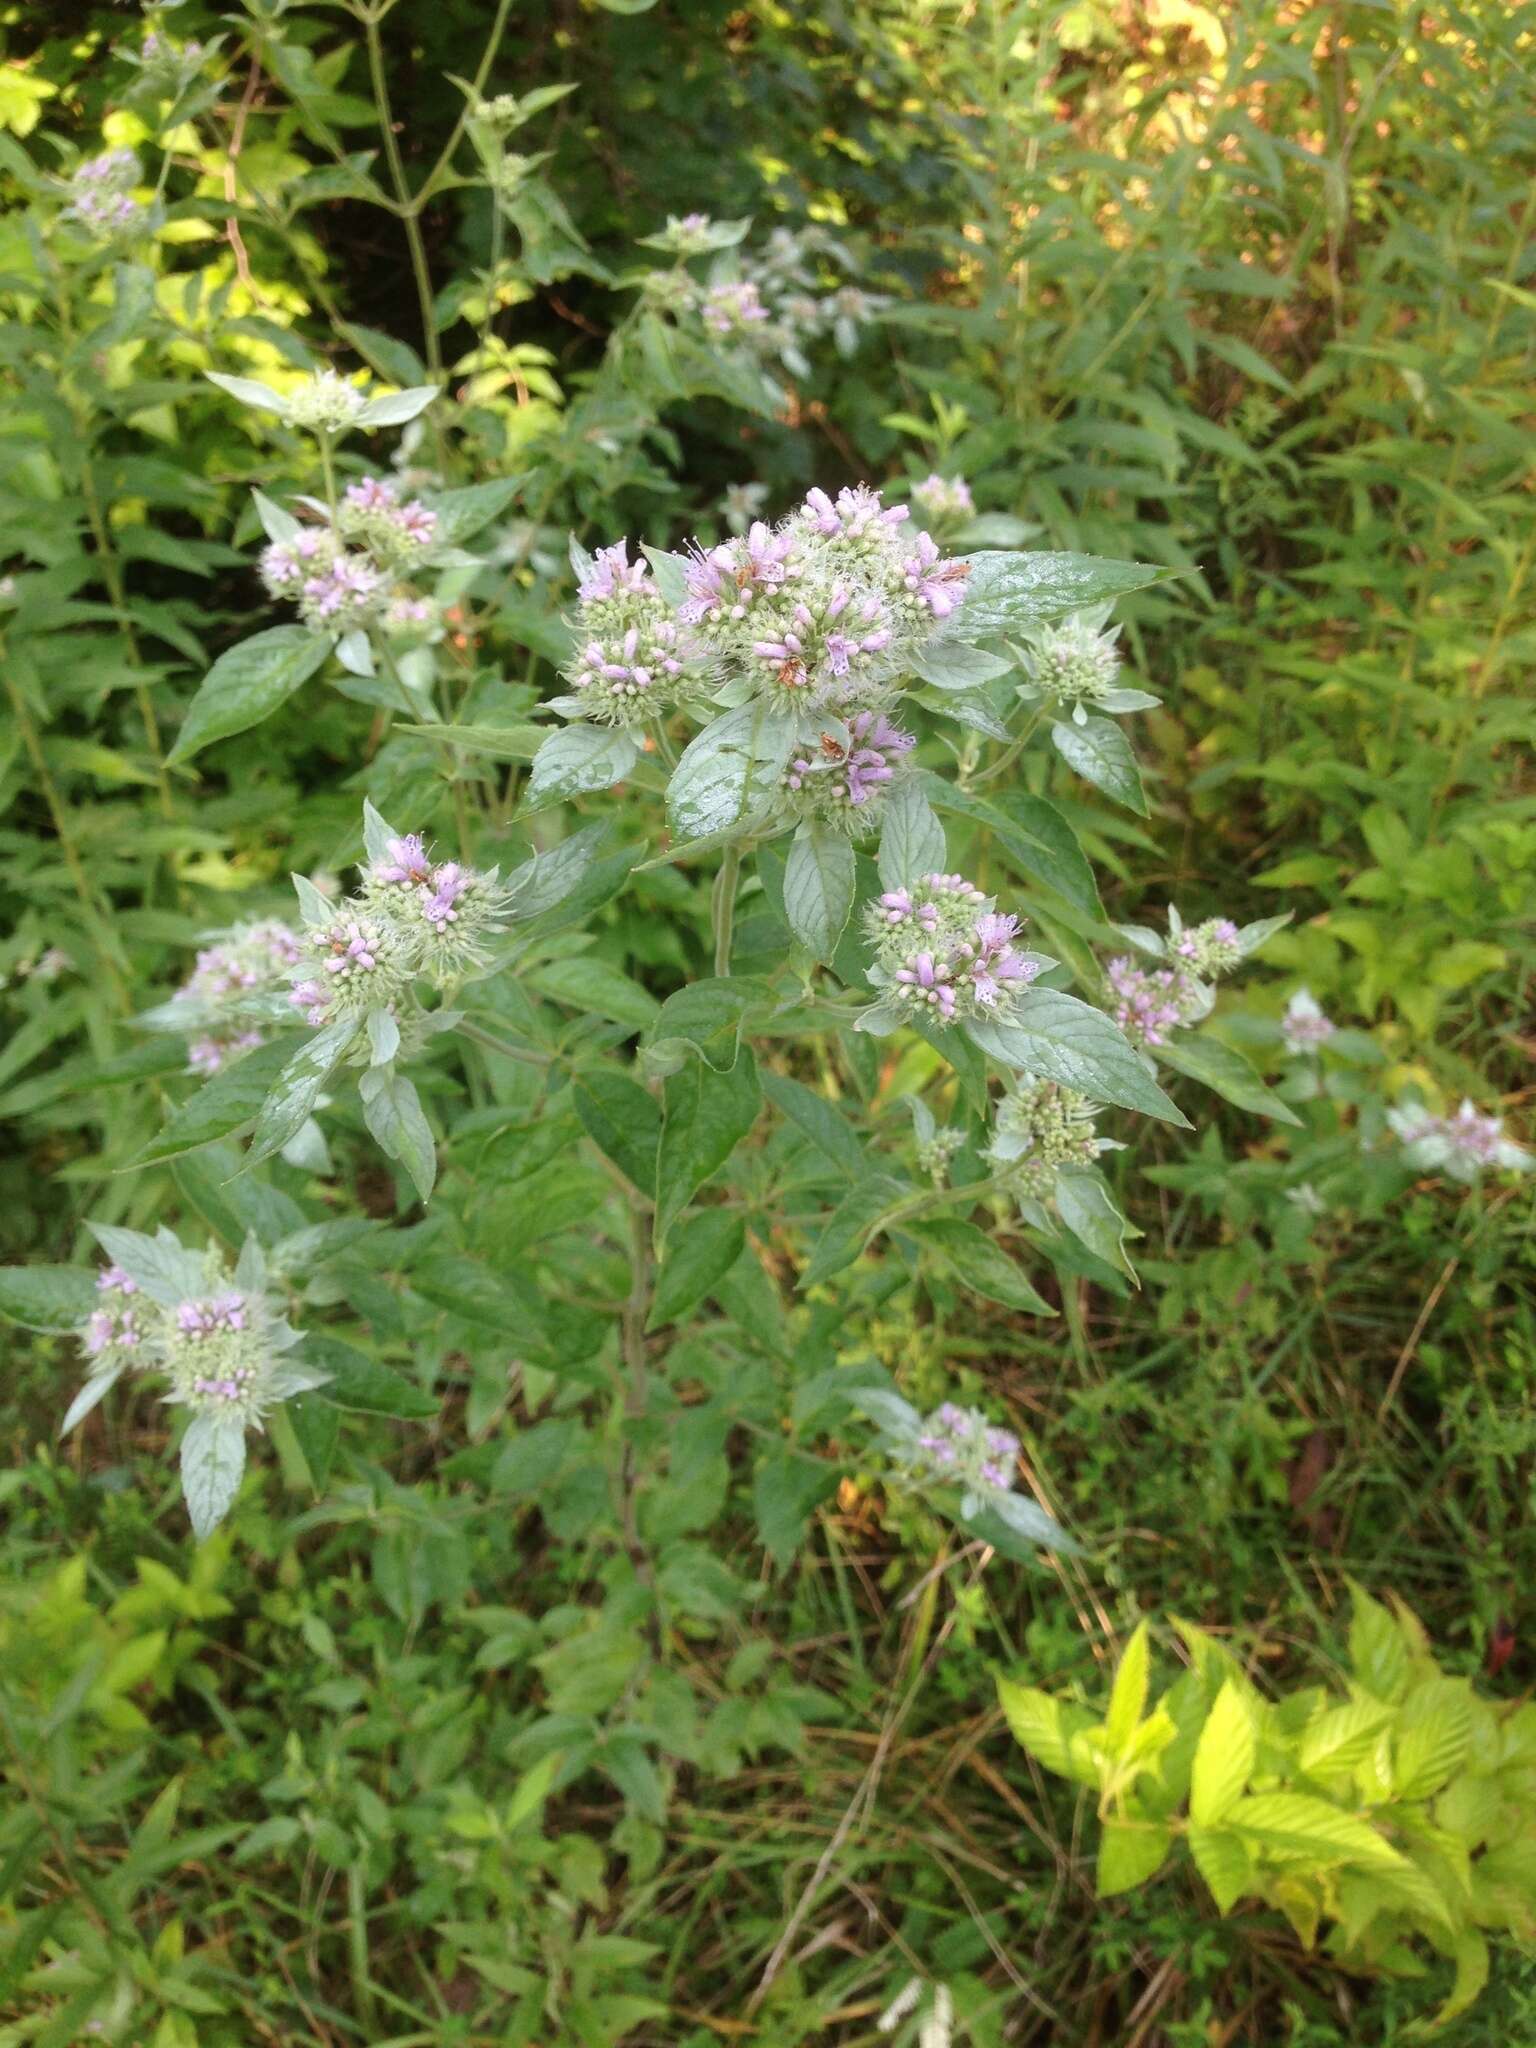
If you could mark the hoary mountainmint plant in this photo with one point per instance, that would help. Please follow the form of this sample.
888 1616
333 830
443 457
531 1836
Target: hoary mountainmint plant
761 699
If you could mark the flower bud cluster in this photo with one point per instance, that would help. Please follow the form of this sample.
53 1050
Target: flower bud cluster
960 1446
825 608
936 1150
325 403
166 67
843 779
412 917
774 301
1041 1128
635 659
395 531
1150 1003
1304 1027
335 591
944 953
231 984
942 500
1073 662
1208 949
732 309
101 194
1465 1145
216 1336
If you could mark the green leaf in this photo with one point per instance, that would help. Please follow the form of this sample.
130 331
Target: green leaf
1224 1757
1058 1038
949 664
786 1490
1222 1859
730 774
1339 1738
248 683
705 1114
1034 834
826 1126
297 1088
819 882
1087 1208
227 1102
52 1298
911 837
623 1120
1293 1826
1047 1727
1006 591
1434 1734
393 1113
583 983
1100 752
463 512
1130 1851
212 1462
394 408
1471 1976
1128 1694
701 1252
1376 1647
361 1383
576 759
1226 1073
982 1264
317 1429
849 1225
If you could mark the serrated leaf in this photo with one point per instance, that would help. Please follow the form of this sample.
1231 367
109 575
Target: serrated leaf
819 883
249 391
248 683
52 1298
1224 1757
1130 1851
623 1120
95 1390
1128 1694
1294 1825
1087 1208
705 1115
980 1263
1100 752
730 773
226 1102
579 758
911 837
1341 1737
946 663
1046 1727
701 1251
1222 1859
1005 591
297 1088
393 1113
1058 1038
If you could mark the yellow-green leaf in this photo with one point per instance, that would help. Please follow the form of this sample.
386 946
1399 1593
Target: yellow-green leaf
1222 1859
1128 1696
1291 1826
1129 1852
1224 1756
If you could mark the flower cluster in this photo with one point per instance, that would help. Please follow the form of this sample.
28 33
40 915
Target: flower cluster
217 1337
413 916
634 659
827 607
942 500
732 308
1208 949
961 1446
101 194
325 403
229 990
1150 1003
843 777
165 67
335 591
1073 663
1041 1128
1304 1027
945 953
1465 1145
395 530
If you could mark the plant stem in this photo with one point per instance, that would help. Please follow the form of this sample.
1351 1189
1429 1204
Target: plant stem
526 1053
410 205
724 907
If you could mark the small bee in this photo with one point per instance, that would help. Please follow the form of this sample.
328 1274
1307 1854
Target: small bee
833 749
791 674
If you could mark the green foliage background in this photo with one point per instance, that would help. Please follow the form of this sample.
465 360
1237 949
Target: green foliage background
1248 292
